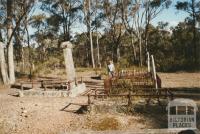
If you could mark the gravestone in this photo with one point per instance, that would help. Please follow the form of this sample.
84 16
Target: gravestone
70 70
69 63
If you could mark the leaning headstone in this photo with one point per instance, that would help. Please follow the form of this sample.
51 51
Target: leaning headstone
69 63
70 70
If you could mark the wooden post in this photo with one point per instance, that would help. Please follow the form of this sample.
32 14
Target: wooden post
154 72
42 84
69 87
81 79
32 85
95 97
148 62
89 101
75 81
45 88
129 98
22 88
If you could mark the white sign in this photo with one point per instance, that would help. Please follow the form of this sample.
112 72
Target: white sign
182 114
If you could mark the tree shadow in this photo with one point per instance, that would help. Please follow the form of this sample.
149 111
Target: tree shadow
153 113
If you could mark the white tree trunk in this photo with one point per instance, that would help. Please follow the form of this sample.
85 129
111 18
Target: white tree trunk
132 43
98 55
154 71
3 69
148 62
91 40
11 68
140 50
92 49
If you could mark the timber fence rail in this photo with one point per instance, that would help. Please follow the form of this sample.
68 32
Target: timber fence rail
50 83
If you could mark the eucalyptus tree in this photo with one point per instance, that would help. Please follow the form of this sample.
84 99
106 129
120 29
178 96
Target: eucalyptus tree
38 22
115 25
192 7
129 9
98 23
137 16
93 19
88 20
3 68
152 9
8 16
11 69
133 16
63 15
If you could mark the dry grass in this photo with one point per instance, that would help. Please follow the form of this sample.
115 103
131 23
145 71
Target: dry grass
106 123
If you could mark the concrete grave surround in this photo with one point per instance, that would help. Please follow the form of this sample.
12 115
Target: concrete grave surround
71 75
80 88
75 91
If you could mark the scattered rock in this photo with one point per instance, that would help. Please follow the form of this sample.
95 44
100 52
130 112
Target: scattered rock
26 116
24 111
21 94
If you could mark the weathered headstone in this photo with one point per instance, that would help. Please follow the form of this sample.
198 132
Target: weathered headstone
70 70
69 63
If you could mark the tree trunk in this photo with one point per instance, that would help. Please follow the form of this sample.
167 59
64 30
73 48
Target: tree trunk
92 49
29 49
90 34
11 68
194 33
98 54
148 19
4 74
23 59
118 53
140 51
133 46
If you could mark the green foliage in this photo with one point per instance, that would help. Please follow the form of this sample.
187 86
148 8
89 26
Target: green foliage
123 63
81 69
173 51
63 14
48 66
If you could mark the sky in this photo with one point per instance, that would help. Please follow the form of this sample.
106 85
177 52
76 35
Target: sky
170 15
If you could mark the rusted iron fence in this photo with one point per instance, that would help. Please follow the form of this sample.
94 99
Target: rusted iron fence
133 83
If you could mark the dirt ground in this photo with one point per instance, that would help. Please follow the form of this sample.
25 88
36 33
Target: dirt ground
39 115
179 80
